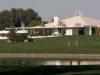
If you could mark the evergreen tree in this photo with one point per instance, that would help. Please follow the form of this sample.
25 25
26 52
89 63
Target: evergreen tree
18 15
12 35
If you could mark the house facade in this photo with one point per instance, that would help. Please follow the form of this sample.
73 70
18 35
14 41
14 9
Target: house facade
77 25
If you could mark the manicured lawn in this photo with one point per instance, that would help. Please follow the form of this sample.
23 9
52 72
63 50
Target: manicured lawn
88 45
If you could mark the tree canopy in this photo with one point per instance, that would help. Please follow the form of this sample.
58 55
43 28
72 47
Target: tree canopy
16 16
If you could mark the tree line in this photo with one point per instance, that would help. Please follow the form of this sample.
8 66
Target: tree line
16 16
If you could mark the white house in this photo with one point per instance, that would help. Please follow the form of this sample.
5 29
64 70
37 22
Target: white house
77 25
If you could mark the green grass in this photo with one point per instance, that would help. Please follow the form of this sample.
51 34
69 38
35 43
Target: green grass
87 45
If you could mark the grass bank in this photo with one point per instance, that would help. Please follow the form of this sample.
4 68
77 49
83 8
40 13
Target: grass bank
87 45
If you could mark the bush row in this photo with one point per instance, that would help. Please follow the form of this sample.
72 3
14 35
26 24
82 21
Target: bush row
21 38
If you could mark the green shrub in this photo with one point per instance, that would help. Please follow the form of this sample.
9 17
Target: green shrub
22 37
12 35
30 40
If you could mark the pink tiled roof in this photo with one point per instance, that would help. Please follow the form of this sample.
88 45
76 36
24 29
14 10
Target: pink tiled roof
81 20
90 21
74 20
47 25
50 24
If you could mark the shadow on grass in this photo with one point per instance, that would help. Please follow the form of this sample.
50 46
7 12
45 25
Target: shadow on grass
45 70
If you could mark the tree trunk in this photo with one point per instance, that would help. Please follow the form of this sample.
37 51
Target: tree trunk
99 32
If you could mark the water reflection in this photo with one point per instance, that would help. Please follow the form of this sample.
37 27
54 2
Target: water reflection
71 63
14 63
46 62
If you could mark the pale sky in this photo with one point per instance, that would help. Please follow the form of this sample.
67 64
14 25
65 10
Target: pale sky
48 8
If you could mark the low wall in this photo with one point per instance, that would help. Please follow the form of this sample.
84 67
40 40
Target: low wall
1 37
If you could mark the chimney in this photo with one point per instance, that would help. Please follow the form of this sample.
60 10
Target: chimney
79 13
56 20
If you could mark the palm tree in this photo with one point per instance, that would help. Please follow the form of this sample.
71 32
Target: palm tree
98 31
63 27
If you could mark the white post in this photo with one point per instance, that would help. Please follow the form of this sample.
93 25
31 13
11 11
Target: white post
57 32
16 31
30 31
53 31
25 31
34 31
90 32
43 30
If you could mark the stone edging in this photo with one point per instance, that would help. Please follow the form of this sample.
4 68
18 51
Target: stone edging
45 55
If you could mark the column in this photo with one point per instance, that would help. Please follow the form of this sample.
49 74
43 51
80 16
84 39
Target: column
43 30
25 31
34 31
52 31
90 32
16 31
30 31
56 31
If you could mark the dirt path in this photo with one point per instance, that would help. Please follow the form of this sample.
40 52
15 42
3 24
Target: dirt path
26 55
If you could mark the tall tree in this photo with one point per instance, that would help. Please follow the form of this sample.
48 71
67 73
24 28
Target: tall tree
4 19
97 31
43 23
62 28
34 23
32 15
12 35
18 15
52 19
